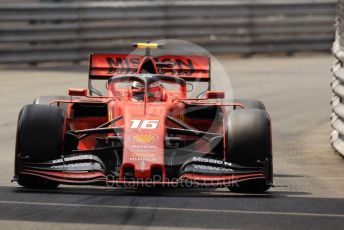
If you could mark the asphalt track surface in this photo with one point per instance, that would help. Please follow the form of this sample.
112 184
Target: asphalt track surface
309 175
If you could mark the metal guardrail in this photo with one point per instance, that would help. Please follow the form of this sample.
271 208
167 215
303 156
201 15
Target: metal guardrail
337 83
69 31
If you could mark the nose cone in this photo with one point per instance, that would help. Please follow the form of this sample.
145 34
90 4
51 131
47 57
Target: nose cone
143 152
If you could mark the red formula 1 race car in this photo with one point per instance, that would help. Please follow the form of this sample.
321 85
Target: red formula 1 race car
145 131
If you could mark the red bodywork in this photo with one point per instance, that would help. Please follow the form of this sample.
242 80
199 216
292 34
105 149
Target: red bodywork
144 123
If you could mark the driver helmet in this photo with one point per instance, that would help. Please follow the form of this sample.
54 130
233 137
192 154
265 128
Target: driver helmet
154 91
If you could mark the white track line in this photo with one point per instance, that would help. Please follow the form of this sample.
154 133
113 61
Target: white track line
176 209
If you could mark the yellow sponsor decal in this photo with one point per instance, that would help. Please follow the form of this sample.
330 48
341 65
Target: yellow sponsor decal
143 138
146 45
110 114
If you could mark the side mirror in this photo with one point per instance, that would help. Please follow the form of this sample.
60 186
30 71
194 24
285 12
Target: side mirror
77 92
215 94
189 87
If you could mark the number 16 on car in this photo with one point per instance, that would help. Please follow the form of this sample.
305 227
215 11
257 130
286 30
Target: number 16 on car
144 124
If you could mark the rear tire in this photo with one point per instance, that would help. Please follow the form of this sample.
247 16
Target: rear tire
39 139
250 104
249 142
46 100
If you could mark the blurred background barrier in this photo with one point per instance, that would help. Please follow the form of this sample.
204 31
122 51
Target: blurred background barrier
337 83
67 30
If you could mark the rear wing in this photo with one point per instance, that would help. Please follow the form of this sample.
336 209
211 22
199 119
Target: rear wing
188 67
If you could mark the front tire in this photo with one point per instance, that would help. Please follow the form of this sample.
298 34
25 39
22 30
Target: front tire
39 139
249 143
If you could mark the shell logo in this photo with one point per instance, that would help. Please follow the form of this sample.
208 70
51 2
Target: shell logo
143 138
